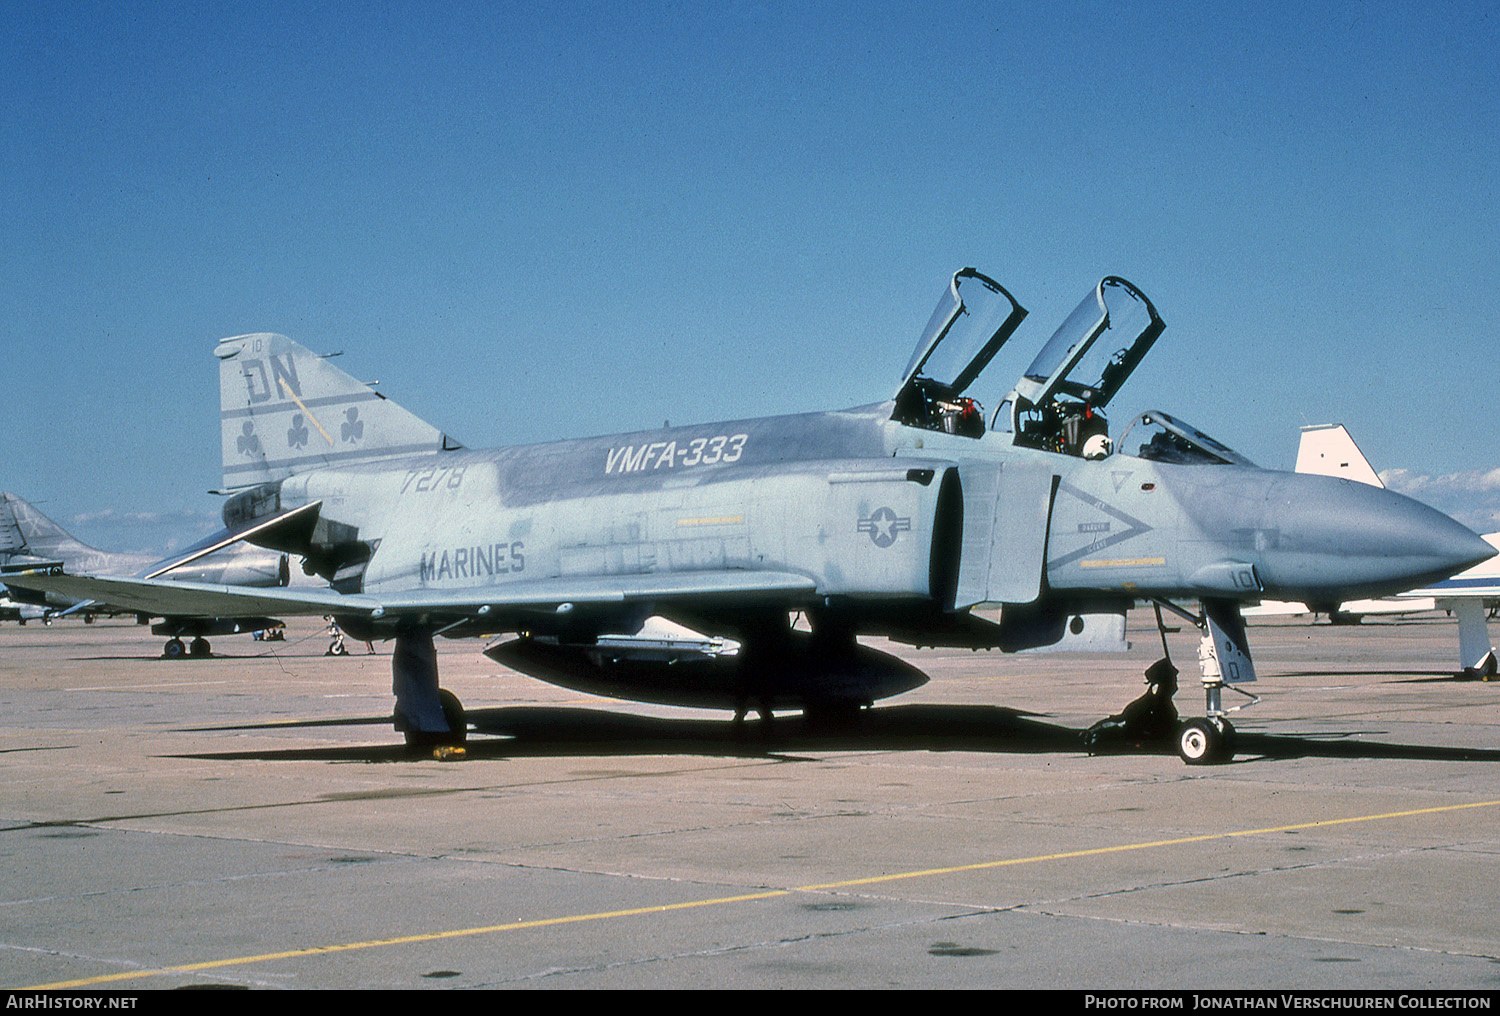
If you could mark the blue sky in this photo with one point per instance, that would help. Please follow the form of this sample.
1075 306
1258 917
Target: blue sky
535 221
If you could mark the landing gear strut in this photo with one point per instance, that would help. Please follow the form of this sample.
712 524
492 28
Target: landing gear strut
430 717
1223 656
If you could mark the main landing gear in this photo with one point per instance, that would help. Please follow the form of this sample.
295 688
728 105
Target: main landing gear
175 649
1223 657
431 718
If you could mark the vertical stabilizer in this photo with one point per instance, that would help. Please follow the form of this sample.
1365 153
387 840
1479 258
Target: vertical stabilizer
1328 450
27 534
24 531
284 410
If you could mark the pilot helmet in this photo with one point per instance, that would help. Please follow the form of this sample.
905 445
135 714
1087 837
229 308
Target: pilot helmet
1098 446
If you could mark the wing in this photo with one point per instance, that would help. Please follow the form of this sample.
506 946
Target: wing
508 607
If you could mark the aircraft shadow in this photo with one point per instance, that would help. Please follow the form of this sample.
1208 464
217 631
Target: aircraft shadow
573 731
1398 676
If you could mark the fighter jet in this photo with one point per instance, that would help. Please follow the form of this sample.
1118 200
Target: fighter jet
29 540
894 519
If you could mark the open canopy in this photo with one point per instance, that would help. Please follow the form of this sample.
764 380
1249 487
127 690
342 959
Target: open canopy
1058 403
1095 350
973 319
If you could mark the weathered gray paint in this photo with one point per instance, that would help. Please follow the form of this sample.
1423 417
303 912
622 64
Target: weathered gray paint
873 519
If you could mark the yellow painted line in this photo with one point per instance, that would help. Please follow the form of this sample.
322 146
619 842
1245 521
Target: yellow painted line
292 395
434 936
154 686
552 922
1123 562
713 520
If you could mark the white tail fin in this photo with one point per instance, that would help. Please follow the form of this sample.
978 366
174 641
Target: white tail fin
284 410
1328 450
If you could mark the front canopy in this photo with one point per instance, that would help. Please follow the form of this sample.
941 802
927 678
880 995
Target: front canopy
973 319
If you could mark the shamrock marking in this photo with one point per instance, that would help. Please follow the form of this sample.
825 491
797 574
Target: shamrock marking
247 442
353 428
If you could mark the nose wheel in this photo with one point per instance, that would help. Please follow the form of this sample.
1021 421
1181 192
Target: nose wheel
1202 742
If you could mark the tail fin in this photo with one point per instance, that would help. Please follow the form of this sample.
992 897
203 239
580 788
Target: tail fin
284 410
1328 450
26 532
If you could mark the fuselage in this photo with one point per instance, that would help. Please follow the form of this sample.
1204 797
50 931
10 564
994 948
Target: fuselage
875 510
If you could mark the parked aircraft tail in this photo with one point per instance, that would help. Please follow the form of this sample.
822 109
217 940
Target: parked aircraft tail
26 532
285 409
1328 450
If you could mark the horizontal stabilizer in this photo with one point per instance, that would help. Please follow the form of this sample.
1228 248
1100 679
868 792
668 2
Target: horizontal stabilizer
296 523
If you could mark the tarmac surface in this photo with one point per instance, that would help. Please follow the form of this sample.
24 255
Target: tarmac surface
252 820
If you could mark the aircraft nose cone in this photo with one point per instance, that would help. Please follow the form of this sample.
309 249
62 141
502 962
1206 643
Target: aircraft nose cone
1351 540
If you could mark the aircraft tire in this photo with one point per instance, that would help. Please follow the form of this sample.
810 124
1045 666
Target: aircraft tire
458 726
174 649
199 648
453 712
1230 740
1200 742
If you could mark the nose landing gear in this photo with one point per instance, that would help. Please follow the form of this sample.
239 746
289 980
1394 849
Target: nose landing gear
1224 658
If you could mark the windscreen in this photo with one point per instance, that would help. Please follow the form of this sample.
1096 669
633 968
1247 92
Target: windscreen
1162 438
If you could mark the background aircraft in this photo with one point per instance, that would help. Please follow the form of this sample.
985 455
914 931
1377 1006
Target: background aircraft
895 519
1329 450
10 610
29 539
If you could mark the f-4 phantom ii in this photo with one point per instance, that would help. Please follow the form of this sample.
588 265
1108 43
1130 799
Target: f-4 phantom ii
895 519
30 540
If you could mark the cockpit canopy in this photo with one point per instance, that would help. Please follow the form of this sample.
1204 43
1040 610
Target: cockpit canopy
972 321
1162 438
1058 404
1082 366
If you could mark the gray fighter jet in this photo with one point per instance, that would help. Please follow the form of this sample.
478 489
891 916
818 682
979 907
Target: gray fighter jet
29 539
896 519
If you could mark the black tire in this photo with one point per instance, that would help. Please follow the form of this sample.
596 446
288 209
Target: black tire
453 712
174 649
1230 740
1199 743
458 726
